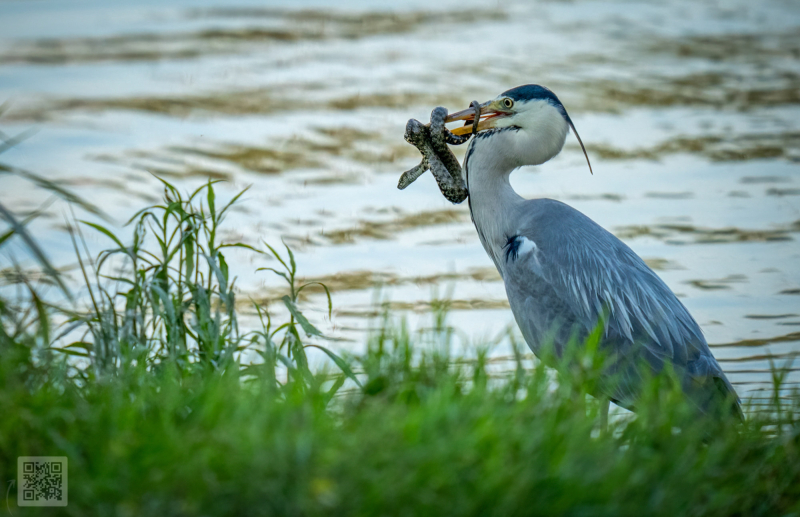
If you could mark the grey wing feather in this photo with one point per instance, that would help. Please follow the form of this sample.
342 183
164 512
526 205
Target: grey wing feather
579 271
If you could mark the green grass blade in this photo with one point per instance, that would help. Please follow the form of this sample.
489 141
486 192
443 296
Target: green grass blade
106 232
327 293
308 328
341 363
34 248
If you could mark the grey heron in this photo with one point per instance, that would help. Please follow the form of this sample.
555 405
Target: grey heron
563 272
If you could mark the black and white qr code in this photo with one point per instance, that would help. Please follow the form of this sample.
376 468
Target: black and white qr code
42 481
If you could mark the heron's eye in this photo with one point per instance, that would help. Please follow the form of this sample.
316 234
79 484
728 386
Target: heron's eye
508 103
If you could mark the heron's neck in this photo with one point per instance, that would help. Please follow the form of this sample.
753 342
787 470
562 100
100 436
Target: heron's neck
492 200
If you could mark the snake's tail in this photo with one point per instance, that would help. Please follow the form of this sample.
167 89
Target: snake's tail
452 139
475 105
411 175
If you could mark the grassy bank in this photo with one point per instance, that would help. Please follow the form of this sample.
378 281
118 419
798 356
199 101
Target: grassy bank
143 388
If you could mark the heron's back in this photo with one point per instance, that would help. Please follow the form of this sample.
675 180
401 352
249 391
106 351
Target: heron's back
563 273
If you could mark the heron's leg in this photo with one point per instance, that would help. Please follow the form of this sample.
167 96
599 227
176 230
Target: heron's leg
604 404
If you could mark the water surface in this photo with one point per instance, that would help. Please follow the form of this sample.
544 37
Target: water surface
690 112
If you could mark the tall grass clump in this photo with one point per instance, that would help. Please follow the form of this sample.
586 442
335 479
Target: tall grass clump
167 299
140 379
173 304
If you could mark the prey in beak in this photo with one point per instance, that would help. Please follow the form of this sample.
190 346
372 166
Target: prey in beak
477 117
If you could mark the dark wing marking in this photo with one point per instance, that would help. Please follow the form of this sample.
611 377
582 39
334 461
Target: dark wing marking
512 248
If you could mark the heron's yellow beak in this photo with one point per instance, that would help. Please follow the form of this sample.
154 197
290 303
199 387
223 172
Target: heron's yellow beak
490 112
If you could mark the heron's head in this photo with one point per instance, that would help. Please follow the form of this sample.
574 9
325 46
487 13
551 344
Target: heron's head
528 124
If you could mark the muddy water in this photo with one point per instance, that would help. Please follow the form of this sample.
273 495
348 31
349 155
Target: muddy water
690 112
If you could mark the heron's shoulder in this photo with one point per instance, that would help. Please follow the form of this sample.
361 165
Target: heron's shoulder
593 271
549 221
545 210
550 208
